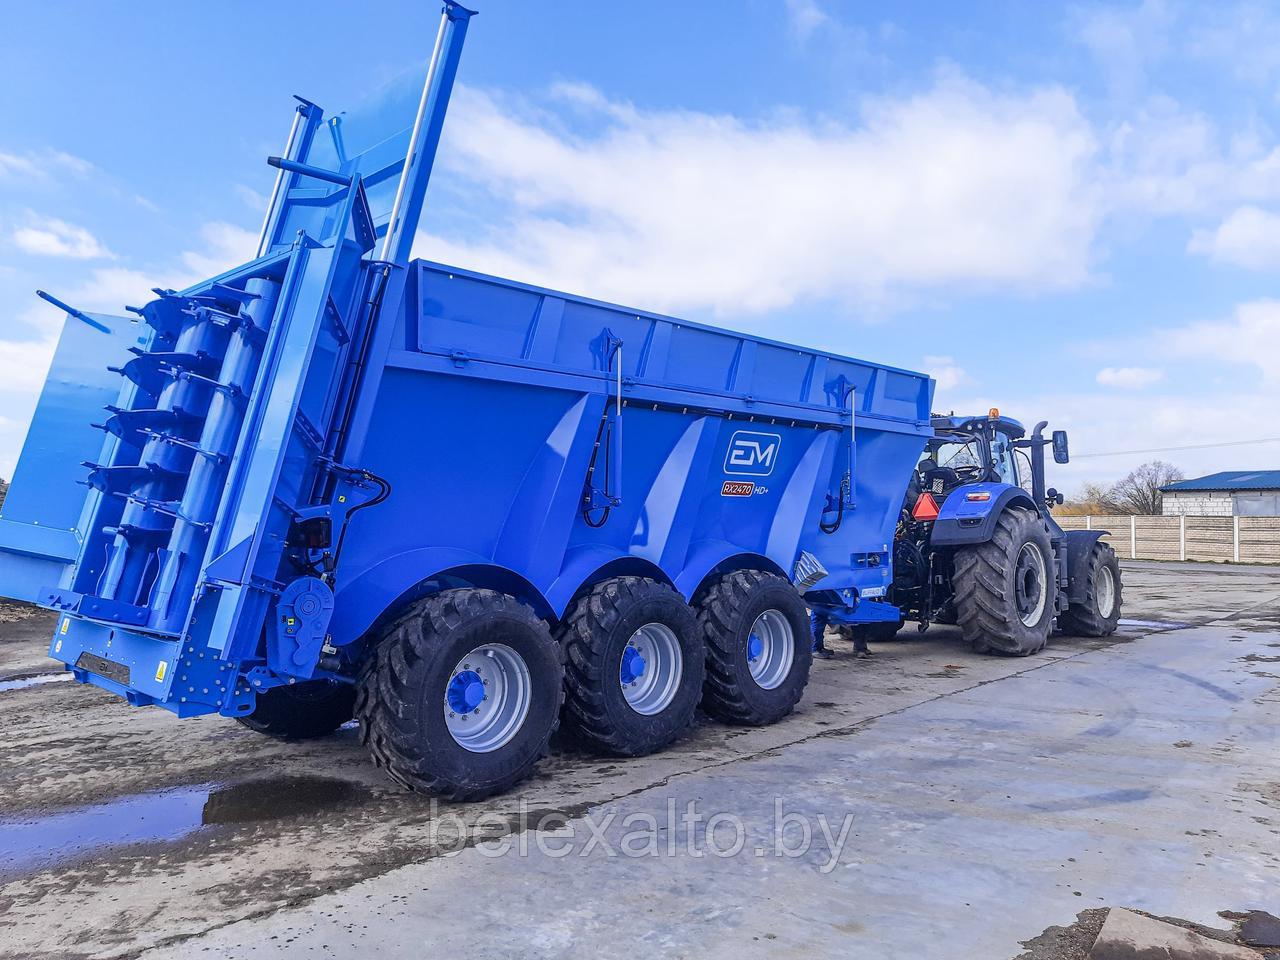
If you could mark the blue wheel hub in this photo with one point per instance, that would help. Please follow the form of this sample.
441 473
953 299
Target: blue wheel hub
465 692
632 666
755 647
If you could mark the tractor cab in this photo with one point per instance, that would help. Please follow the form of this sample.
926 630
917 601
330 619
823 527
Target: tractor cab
993 449
972 450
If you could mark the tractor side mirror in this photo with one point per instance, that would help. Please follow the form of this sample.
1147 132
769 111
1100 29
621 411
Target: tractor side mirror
1060 452
1054 497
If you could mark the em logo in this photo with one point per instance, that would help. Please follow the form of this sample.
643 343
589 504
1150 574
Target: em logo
752 454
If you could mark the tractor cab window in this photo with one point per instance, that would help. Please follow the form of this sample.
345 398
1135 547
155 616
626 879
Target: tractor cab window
954 462
1004 461
972 459
959 456
1022 461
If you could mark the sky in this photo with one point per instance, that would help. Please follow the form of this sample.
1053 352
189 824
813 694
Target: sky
1069 211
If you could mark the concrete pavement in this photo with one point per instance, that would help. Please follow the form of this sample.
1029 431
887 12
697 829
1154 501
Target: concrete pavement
955 806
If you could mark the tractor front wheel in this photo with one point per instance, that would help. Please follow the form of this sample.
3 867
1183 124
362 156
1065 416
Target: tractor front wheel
1005 588
1099 613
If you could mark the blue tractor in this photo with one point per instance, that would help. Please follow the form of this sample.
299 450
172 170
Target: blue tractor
976 544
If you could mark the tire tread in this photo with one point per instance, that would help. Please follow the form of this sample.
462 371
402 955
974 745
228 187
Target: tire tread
386 694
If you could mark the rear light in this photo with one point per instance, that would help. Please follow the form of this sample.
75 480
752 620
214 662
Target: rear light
980 497
926 508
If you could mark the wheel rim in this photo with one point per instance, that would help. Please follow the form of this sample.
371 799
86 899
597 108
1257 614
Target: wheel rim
771 648
1029 584
486 698
1106 591
650 670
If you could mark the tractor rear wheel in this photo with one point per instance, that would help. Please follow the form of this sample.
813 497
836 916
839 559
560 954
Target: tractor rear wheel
461 695
302 711
633 666
1005 588
1099 614
759 650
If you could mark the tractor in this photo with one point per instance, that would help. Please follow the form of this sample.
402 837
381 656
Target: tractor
976 545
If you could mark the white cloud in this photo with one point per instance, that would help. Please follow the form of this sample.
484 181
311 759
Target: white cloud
1125 40
1163 157
111 289
1248 237
255 201
946 372
24 363
805 16
1164 160
41 165
1104 423
958 186
1129 378
48 237
1239 40
1251 338
225 246
1243 38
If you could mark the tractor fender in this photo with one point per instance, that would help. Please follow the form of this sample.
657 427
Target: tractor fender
962 521
1079 544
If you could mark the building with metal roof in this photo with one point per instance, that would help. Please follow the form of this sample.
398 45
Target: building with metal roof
1230 493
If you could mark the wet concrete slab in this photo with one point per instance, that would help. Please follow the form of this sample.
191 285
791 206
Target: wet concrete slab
25 632
973 820
162 817
1260 929
986 791
33 680
1131 936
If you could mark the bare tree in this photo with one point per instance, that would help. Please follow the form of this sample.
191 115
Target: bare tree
1093 500
1139 492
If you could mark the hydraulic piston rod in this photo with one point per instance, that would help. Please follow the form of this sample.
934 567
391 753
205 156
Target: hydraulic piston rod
412 188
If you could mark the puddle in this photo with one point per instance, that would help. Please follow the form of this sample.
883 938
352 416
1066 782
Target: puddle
1155 624
256 800
41 842
21 683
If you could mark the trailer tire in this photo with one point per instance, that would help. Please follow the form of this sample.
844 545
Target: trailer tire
625 703
735 610
422 663
302 711
1004 588
1099 614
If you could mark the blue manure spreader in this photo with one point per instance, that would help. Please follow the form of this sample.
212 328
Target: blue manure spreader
338 483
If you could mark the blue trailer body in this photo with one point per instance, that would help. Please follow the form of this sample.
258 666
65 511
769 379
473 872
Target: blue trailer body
729 449
295 450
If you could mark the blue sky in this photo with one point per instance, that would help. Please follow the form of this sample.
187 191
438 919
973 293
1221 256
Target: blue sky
1071 211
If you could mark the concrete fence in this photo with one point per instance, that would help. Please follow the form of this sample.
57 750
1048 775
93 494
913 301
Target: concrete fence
1222 539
